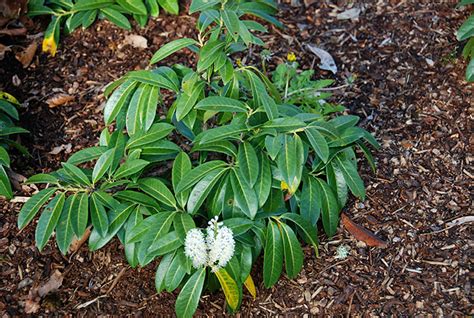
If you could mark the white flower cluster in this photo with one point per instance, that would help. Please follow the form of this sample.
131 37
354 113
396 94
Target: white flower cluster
215 250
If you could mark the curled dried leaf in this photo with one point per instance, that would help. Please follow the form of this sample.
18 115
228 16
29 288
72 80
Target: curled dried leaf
361 233
58 100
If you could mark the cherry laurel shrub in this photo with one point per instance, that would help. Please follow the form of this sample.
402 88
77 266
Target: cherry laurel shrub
232 170
75 13
8 128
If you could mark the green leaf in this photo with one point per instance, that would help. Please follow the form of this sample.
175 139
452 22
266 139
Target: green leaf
81 217
290 161
86 155
284 124
188 299
466 30
98 215
245 196
48 221
153 8
131 249
292 251
470 71
64 230
83 5
231 131
133 6
231 21
137 104
157 132
76 174
353 180
310 206
175 275
202 189
165 244
158 190
4 157
154 77
183 222
32 206
89 18
329 207
248 163
116 17
171 6
309 230
337 182
221 104
264 181
196 174
185 103
138 198
162 270
118 218
102 165
239 225
118 100
8 109
273 145
41 178
5 187
273 255
148 110
224 146
201 5
318 143
181 167
349 136
230 288
130 167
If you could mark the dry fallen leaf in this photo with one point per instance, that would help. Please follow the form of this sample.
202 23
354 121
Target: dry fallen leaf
25 57
327 61
13 32
77 243
54 282
65 147
360 233
31 306
59 99
137 41
352 14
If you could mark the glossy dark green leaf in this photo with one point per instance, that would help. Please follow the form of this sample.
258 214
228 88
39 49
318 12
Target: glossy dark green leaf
64 230
137 197
116 18
5 187
264 181
102 165
238 225
76 174
196 174
182 223
202 189
181 167
248 163
48 220
245 196
318 143
221 104
336 181
310 206
292 251
188 298
290 161
81 214
158 190
136 109
118 100
309 230
170 48
130 167
228 132
98 215
329 207
87 154
165 244
351 175
32 206
273 255
162 270
157 132
224 146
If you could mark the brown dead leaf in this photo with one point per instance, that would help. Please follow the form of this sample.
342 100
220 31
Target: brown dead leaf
360 233
12 8
54 282
77 243
31 306
25 57
65 147
59 99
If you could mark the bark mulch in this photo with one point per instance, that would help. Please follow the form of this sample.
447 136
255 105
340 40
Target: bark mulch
408 90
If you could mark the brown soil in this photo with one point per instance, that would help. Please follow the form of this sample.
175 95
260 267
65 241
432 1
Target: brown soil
409 91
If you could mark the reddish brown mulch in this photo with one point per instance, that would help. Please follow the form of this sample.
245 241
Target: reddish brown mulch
409 90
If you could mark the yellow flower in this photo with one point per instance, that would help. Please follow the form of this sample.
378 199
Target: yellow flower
291 57
238 62
284 186
49 45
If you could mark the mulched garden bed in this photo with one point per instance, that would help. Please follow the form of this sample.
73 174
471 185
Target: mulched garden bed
409 90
